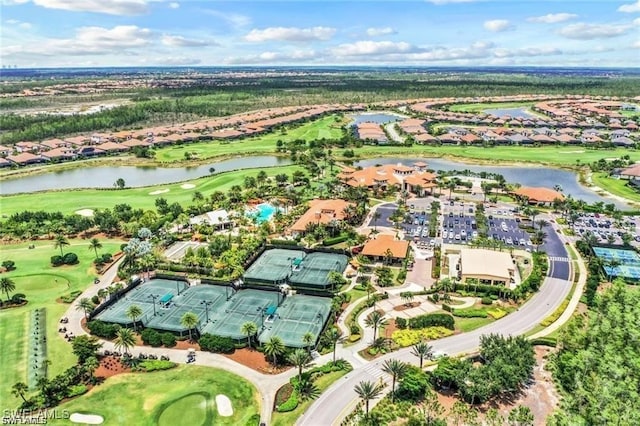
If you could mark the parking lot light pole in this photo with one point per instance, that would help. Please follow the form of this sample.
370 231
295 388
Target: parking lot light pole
154 297
206 304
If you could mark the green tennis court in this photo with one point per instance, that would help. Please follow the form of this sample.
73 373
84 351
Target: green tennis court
222 311
297 316
620 262
296 268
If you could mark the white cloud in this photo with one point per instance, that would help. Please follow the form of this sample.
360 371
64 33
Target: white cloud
374 32
552 18
527 52
12 2
497 25
636 22
174 60
271 57
636 44
179 41
89 41
234 19
290 34
174 5
111 7
630 8
361 48
20 24
582 31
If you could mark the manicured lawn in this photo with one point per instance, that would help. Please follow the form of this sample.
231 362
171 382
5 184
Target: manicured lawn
617 187
327 127
183 395
290 418
564 156
69 201
483 106
469 324
42 284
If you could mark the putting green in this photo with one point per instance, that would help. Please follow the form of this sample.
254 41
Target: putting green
196 405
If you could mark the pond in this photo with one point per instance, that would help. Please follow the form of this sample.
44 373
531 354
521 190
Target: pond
105 176
510 112
526 176
374 117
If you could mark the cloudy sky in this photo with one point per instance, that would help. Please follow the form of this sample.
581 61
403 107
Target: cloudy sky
78 33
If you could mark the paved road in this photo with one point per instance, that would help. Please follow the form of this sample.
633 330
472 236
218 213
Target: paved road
340 398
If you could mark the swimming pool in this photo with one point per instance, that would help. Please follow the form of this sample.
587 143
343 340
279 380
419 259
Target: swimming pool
263 212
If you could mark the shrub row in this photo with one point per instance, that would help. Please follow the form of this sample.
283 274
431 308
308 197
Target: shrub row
67 259
556 314
432 320
154 338
156 365
219 344
335 240
69 298
103 329
470 313
290 404
283 242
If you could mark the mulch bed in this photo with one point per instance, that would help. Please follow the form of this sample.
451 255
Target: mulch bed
404 307
255 360
111 366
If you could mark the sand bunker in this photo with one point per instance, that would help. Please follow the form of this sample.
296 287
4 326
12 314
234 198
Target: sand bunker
87 419
159 191
187 186
572 152
224 406
85 212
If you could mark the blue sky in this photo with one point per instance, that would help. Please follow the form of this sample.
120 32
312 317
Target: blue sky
78 33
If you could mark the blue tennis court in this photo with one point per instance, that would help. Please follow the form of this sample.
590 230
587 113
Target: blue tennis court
620 263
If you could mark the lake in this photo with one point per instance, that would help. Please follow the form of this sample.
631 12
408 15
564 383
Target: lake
526 176
374 117
105 176
510 112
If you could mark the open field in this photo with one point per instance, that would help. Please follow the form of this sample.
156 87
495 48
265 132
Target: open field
326 127
163 397
483 106
561 156
42 284
71 200
617 187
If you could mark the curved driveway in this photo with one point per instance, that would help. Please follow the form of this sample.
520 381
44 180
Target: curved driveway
337 401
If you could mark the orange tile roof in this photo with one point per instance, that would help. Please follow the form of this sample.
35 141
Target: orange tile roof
539 194
321 211
380 245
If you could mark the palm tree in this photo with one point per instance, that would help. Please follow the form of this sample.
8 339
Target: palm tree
375 320
447 285
422 350
249 328
85 304
7 285
396 369
90 365
541 223
308 339
19 389
124 340
367 391
189 320
274 347
300 359
333 335
59 242
133 313
451 185
538 238
94 245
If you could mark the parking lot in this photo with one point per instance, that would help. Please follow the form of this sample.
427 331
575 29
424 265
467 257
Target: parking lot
508 231
604 229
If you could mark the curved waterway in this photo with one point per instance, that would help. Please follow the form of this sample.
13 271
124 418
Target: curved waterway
525 175
134 176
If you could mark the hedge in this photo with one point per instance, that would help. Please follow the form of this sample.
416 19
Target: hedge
211 343
432 320
470 313
253 420
405 338
289 405
401 323
283 242
156 365
335 240
103 329
556 314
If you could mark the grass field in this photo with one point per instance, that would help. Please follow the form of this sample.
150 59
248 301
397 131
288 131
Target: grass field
562 156
483 106
42 284
617 187
469 324
327 127
71 200
182 395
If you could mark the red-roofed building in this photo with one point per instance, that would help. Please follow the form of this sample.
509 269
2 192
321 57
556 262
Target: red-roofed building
538 195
